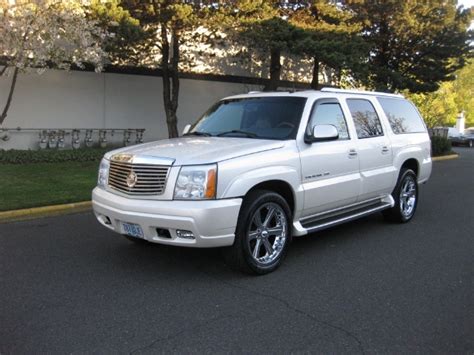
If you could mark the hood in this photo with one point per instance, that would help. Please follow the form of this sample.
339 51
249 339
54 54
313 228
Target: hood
200 150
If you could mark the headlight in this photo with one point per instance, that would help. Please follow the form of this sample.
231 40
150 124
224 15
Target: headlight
196 183
103 173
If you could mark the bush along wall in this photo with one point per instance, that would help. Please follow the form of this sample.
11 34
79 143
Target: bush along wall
440 146
13 156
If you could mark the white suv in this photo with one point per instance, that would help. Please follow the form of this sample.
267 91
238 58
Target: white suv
258 169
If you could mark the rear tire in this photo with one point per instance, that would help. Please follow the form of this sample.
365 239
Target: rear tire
263 234
405 195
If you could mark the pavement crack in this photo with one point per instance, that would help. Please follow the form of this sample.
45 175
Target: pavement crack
181 332
292 308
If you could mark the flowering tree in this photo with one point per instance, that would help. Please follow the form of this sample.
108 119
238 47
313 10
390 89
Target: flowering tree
47 34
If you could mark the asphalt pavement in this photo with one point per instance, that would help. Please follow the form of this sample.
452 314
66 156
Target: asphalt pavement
68 285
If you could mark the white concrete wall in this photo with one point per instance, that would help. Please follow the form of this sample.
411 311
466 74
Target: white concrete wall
60 100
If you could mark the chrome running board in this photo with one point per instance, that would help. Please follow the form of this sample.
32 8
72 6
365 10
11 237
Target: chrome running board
338 216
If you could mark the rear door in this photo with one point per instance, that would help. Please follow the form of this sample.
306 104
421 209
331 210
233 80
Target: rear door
373 149
330 170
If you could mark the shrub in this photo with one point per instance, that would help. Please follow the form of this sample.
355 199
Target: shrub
440 146
13 156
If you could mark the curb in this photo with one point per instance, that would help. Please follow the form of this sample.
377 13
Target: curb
47 211
445 157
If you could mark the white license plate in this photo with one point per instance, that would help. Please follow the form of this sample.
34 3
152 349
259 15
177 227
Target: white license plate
133 230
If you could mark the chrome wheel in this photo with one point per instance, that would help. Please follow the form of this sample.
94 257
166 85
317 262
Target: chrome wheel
267 233
408 196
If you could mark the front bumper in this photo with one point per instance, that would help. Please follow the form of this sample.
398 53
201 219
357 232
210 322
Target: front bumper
212 222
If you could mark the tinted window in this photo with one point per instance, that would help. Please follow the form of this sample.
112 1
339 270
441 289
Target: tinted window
366 120
265 117
329 113
402 116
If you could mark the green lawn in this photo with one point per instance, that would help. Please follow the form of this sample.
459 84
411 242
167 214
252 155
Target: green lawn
43 184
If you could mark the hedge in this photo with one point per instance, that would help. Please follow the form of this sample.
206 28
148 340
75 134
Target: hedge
440 146
13 156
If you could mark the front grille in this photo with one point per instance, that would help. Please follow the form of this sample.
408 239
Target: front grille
149 179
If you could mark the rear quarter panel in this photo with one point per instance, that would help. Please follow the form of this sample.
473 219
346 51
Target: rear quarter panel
413 145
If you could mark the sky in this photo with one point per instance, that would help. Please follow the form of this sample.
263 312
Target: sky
466 3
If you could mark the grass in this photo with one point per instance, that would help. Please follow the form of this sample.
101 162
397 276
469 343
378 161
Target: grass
44 184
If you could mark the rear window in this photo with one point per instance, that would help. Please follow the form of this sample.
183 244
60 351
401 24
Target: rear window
402 116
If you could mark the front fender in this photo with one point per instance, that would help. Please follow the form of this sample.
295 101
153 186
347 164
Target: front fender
240 185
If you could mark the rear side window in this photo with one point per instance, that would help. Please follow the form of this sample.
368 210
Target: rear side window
366 120
402 116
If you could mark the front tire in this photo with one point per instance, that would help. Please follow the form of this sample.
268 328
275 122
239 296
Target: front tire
263 234
405 195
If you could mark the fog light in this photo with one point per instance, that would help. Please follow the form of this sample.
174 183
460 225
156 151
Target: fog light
184 234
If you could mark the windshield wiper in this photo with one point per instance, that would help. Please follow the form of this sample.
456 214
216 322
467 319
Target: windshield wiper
238 131
196 133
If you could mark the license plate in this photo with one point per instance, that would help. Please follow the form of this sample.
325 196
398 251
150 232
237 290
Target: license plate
133 230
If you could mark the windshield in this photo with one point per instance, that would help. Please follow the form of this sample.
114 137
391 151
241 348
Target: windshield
469 132
255 117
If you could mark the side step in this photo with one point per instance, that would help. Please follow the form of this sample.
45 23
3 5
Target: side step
330 219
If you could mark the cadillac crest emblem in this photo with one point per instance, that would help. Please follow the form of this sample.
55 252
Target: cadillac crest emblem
132 179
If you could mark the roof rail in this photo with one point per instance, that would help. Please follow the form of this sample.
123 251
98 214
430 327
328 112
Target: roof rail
254 92
361 92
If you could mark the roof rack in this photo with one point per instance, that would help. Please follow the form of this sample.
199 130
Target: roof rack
361 92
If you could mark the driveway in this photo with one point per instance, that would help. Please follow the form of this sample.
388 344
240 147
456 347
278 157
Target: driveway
70 286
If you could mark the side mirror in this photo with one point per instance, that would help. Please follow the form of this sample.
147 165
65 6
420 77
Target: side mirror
323 133
186 129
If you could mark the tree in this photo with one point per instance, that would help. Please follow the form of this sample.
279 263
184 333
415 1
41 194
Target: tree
273 36
166 22
414 44
48 34
332 39
262 26
464 90
437 108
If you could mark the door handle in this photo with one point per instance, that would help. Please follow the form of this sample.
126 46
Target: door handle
352 153
385 149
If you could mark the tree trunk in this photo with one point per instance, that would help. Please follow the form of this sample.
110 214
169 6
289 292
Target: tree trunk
275 70
169 67
10 96
315 80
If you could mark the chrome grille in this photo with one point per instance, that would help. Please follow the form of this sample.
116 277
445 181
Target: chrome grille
150 179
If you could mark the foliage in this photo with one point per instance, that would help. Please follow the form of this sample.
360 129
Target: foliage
274 36
437 108
440 108
414 44
13 156
166 23
126 30
332 39
440 146
48 34
463 88
53 183
262 27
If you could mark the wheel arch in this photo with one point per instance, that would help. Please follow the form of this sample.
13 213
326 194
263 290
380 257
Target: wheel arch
412 164
280 187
